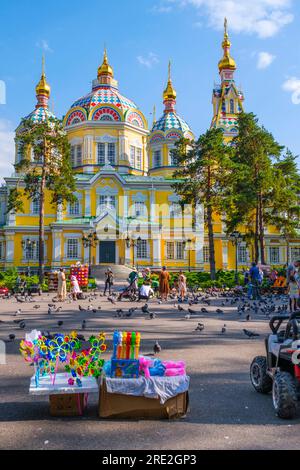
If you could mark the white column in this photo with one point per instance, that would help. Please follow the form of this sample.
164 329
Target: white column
56 248
88 211
125 205
10 248
152 205
156 243
127 254
11 219
225 253
59 212
88 152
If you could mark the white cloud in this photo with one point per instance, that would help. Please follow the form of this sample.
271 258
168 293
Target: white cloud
149 60
43 44
7 148
161 8
262 17
265 59
292 85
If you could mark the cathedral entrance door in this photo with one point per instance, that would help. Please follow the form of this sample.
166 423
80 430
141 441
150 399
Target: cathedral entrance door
107 252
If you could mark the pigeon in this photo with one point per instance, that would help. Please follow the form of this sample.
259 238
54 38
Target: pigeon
248 317
49 311
191 311
152 315
145 308
22 325
130 312
223 331
18 312
203 310
120 313
12 337
60 323
94 310
112 300
187 316
36 307
81 309
250 334
156 348
219 311
20 300
59 309
181 309
83 326
200 327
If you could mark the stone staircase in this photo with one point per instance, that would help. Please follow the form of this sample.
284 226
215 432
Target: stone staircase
120 272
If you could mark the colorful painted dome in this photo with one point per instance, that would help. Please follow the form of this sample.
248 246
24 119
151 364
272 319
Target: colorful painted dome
40 114
171 121
105 103
170 125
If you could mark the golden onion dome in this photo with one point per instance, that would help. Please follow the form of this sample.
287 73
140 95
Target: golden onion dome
227 62
43 88
105 68
169 93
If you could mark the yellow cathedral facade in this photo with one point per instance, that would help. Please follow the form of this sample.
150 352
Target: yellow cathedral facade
124 172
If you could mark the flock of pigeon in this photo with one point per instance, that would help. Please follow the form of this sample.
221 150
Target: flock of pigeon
195 305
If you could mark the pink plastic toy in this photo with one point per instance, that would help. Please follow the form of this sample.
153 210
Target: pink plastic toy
144 366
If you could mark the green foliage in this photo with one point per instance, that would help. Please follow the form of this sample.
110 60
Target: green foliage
204 169
49 170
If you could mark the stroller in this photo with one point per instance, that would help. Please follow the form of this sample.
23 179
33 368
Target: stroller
129 293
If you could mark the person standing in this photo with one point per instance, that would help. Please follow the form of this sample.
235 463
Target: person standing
293 290
254 276
292 270
62 285
109 281
164 283
182 286
75 289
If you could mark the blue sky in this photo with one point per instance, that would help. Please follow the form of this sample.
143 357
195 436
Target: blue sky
141 36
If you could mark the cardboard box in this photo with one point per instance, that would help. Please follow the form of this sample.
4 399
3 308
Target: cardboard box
113 405
71 404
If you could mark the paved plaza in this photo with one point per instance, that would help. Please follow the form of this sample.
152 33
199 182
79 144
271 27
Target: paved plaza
225 411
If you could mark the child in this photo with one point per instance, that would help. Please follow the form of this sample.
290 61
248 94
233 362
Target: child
293 293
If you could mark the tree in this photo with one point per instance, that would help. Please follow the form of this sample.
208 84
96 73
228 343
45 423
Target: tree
45 167
249 196
203 169
285 211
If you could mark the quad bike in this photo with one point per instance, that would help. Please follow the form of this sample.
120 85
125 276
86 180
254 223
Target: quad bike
279 370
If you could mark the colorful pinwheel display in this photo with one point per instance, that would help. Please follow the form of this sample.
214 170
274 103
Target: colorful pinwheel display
47 353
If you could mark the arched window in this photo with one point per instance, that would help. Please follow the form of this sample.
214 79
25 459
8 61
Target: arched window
232 106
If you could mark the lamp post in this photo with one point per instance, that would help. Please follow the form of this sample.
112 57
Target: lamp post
131 243
27 246
236 238
90 241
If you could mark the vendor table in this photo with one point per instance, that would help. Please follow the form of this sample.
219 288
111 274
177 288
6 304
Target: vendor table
65 400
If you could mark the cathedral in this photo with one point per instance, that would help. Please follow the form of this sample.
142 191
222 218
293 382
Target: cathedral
126 211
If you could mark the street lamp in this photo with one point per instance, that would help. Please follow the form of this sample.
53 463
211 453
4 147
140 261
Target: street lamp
131 243
90 241
236 238
28 245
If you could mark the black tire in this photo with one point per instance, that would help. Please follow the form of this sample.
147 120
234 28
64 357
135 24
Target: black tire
258 375
285 400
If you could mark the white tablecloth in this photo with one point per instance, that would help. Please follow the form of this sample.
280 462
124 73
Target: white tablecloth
154 387
89 385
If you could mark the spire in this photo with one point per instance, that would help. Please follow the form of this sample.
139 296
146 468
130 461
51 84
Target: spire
227 62
43 90
105 70
170 94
